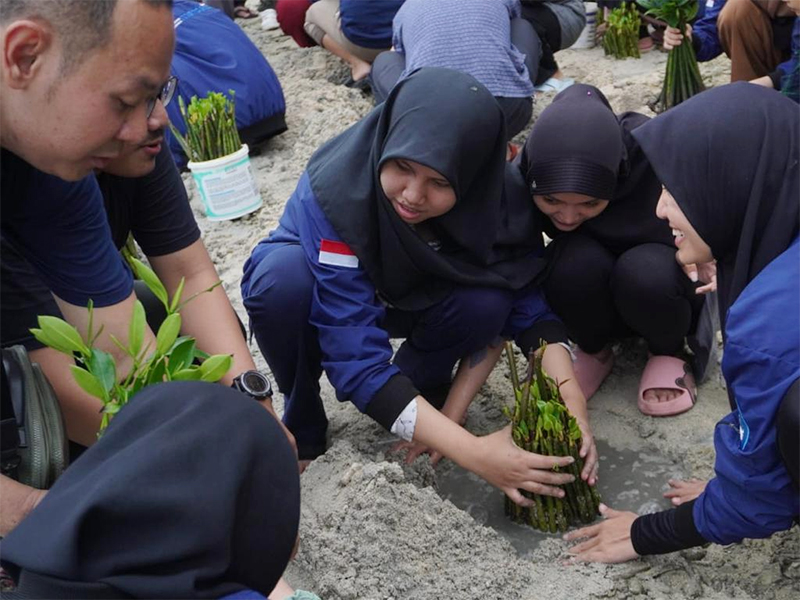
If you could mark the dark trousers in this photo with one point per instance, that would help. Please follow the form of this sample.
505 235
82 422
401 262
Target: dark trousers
277 292
537 35
602 297
388 66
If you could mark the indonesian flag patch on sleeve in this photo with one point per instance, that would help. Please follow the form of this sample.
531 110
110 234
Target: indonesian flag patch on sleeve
337 254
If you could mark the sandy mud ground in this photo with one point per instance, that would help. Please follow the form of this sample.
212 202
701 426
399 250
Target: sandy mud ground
372 529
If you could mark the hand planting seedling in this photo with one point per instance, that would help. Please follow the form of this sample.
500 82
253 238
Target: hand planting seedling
682 80
210 127
621 38
173 358
542 424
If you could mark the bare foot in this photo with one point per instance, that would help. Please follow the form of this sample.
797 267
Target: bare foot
684 491
359 69
661 394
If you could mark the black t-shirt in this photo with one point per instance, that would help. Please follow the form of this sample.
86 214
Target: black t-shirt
61 230
154 208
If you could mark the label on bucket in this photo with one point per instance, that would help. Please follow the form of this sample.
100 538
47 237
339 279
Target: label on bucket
228 191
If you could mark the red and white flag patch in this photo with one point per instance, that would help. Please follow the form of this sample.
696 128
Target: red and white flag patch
337 254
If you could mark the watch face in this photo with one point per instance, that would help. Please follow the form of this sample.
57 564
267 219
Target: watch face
255 383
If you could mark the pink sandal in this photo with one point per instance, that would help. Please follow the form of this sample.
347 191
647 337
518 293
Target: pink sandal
592 369
667 372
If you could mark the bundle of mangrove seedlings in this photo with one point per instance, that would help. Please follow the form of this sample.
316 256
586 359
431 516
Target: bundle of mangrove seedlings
210 127
621 38
541 423
682 80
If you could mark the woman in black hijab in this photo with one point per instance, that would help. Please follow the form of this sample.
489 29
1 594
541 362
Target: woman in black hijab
400 228
612 273
729 159
192 492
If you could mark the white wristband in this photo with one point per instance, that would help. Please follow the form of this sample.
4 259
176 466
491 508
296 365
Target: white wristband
403 426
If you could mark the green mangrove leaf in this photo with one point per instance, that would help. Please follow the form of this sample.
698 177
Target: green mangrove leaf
192 374
88 382
102 366
136 329
176 299
61 336
168 333
182 354
111 408
215 367
152 282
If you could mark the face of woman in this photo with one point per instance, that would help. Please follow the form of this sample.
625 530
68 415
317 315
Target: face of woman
417 193
567 210
692 249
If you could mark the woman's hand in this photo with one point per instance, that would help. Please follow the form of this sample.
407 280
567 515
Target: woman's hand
588 453
558 363
705 273
511 469
606 542
415 450
673 37
681 492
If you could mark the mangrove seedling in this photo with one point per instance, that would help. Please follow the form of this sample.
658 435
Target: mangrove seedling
174 358
621 39
682 79
210 127
541 423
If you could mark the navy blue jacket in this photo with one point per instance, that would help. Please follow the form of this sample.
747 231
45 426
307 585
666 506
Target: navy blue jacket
345 308
212 54
369 23
752 495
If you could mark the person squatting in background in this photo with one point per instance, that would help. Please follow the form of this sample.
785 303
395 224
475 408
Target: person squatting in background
354 30
471 36
761 37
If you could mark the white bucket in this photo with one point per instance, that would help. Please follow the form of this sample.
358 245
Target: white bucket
586 39
227 186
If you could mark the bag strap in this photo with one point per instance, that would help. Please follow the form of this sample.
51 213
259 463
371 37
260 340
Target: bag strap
12 400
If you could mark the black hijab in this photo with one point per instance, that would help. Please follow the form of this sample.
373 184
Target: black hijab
579 145
448 122
192 492
729 156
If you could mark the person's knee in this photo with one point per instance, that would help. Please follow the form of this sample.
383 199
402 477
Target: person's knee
647 271
316 17
578 263
279 284
386 70
485 310
738 16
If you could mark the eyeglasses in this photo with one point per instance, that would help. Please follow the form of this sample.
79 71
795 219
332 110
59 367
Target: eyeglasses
165 95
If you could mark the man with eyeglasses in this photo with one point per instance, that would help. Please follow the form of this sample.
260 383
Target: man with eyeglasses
144 196
76 80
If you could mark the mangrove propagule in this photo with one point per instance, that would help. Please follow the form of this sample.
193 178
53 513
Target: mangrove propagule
542 423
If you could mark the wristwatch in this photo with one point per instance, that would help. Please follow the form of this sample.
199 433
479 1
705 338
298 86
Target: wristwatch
253 383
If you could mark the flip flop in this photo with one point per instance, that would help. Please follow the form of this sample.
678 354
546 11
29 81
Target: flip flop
554 85
645 44
591 371
667 372
362 84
